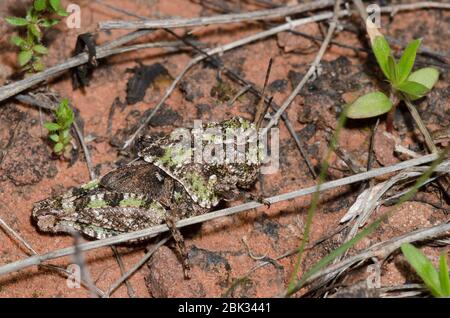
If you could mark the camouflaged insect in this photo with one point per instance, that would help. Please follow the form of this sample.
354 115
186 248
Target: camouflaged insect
165 182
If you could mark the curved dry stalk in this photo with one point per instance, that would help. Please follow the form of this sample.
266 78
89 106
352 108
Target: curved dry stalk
423 129
144 259
130 289
217 19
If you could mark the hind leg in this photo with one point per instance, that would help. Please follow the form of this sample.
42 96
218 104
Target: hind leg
179 244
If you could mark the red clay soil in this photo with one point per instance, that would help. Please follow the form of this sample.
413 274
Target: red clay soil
223 250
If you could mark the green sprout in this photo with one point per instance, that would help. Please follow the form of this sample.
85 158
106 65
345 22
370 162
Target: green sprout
60 129
31 48
437 282
405 85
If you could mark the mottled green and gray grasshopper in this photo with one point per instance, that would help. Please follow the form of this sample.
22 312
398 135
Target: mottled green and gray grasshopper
165 184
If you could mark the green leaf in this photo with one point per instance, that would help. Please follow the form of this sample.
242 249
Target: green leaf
40 5
54 137
30 13
406 63
47 23
423 267
392 69
61 111
40 49
52 126
56 6
64 114
16 21
31 40
66 135
382 51
25 57
17 40
62 13
416 90
444 277
38 66
34 29
369 105
58 148
427 76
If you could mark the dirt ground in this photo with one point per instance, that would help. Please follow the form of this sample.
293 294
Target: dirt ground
224 250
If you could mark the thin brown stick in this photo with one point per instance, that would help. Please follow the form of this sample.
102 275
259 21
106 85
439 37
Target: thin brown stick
361 10
423 129
370 156
130 289
16 235
138 265
217 19
175 45
87 154
241 92
261 108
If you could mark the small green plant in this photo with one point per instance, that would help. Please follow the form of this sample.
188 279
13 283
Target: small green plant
31 48
405 85
438 282
60 129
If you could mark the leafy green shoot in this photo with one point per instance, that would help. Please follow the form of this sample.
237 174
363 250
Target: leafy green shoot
60 129
404 83
437 282
38 17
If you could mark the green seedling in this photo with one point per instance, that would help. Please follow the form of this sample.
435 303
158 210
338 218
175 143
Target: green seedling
405 85
38 17
437 281
60 129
